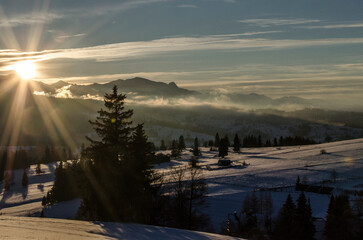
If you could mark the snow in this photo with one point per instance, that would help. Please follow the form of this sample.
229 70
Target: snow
44 228
272 169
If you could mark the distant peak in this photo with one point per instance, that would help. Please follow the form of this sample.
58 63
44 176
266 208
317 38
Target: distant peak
139 79
60 84
172 84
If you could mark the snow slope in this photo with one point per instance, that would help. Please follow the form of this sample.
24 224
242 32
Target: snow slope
276 167
45 228
272 169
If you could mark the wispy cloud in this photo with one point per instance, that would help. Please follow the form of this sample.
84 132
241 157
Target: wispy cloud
335 26
42 17
143 49
187 6
117 51
29 18
244 34
268 22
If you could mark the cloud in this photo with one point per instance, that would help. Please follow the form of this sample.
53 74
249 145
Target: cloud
44 15
104 9
335 26
244 34
268 22
187 6
29 18
144 49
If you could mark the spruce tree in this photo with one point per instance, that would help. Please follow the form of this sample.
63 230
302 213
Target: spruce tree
196 150
236 144
341 223
118 180
104 199
3 165
175 151
162 145
113 126
181 143
223 147
216 140
47 155
139 173
24 180
285 228
304 220
297 184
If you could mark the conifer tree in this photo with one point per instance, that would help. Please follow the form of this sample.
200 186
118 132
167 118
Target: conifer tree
113 126
223 147
196 150
304 220
298 183
341 223
175 151
118 174
2 165
24 180
44 201
285 228
216 140
47 155
162 145
6 181
181 143
236 144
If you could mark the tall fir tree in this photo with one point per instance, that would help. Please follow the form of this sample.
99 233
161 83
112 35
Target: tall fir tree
341 223
181 143
285 227
304 219
196 150
175 151
216 140
24 180
223 148
162 145
117 167
236 144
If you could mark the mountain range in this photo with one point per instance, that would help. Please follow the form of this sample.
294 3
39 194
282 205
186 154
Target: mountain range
135 86
141 88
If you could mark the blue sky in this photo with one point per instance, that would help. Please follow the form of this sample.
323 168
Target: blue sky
309 48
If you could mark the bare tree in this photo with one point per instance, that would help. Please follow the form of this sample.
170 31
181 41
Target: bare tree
188 190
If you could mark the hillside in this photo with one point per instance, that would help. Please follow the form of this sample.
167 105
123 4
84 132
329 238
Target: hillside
272 169
44 228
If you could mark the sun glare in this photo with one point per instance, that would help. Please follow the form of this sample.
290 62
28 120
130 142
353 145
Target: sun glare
26 69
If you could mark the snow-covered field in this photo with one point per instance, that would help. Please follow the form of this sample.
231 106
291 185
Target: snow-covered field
267 169
273 167
45 228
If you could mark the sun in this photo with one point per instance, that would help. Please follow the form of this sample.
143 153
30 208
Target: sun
25 69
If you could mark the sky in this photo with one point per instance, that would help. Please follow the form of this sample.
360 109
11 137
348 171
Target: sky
310 48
